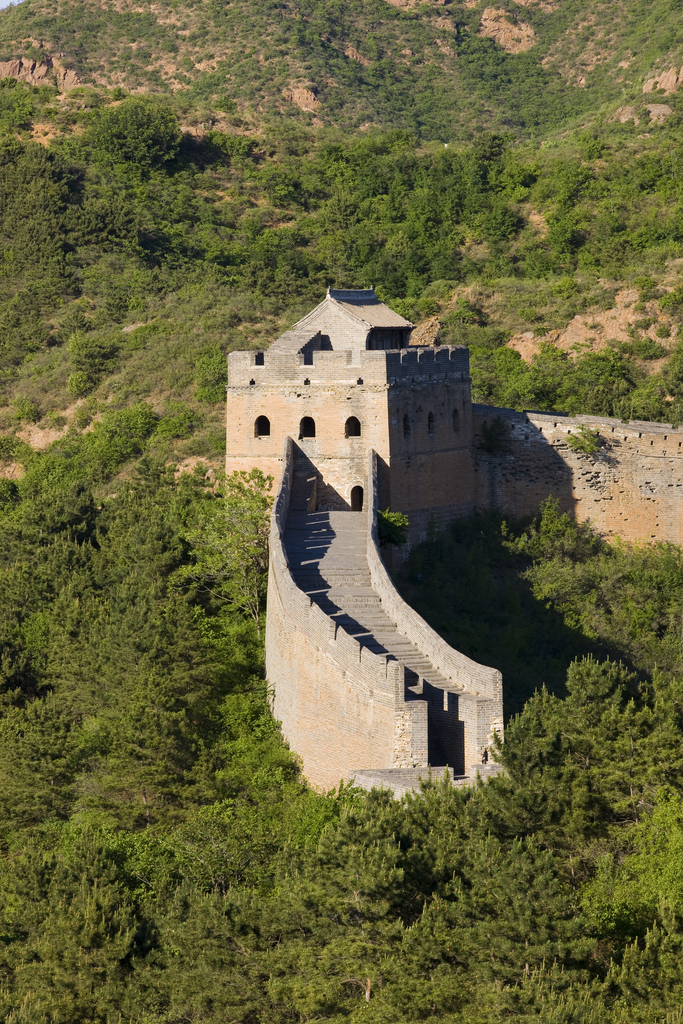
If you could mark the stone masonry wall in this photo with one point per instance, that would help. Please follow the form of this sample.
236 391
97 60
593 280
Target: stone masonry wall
466 715
427 470
631 487
341 706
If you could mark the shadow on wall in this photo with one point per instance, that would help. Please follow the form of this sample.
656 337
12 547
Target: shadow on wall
516 467
471 589
311 493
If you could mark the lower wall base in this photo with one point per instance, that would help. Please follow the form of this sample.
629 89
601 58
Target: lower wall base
333 721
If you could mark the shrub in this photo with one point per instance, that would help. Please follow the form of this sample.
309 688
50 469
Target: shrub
585 441
392 527
8 446
211 376
78 384
139 131
92 353
26 410
180 422
9 492
118 437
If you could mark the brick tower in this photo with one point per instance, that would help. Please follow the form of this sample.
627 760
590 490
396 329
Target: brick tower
344 380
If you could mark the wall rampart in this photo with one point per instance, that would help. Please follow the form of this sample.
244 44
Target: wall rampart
249 369
462 672
630 487
341 705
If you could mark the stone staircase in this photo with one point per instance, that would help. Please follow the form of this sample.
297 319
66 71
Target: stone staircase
327 556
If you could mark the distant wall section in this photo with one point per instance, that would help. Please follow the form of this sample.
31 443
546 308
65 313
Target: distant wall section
631 487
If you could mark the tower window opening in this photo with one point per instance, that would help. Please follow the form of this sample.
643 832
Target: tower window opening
356 499
406 425
456 421
307 427
262 427
430 424
259 359
352 428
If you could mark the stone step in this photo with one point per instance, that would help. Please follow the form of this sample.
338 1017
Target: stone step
328 560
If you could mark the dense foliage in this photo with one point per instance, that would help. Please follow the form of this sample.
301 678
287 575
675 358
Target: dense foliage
163 860
134 257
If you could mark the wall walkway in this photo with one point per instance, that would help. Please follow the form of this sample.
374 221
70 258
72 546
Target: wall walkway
360 681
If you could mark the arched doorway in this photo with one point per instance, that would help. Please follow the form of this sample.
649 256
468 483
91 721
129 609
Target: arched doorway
307 427
357 499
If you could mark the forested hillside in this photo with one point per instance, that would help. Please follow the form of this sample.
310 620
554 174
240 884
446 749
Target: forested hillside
178 180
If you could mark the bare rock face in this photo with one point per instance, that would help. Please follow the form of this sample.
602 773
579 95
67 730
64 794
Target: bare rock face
353 54
515 37
36 72
669 81
658 112
624 114
305 99
427 332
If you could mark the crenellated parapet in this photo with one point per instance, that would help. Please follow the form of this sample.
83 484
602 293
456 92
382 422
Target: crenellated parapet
412 366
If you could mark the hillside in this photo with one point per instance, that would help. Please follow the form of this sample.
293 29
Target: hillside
440 69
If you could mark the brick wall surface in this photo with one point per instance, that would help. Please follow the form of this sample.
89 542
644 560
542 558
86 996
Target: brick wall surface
631 487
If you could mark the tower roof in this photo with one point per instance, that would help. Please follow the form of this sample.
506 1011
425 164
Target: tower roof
363 304
360 311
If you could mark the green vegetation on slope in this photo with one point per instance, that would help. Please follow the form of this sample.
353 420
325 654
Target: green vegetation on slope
423 67
163 861
135 257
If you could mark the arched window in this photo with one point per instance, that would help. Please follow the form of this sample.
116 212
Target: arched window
307 427
406 425
352 428
456 421
430 424
356 499
262 427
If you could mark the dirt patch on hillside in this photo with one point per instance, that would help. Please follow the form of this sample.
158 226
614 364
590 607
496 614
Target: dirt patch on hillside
426 333
304 99
593 332
352 53
544 5
209 469
514 37
625 114
658 112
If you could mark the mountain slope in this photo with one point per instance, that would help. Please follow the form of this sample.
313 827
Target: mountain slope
440 69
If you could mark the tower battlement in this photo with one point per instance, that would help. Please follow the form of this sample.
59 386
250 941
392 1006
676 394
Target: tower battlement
250 369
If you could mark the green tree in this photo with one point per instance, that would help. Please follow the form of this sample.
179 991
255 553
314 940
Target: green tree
230 540
139 131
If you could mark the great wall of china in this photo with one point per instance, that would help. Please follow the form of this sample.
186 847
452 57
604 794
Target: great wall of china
349 418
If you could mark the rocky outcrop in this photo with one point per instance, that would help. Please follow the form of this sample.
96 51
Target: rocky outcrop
669 81
513 36
36 72
625 114
305 99
658 112
352 53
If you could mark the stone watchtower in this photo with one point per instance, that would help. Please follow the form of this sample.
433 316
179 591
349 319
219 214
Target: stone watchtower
347 417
